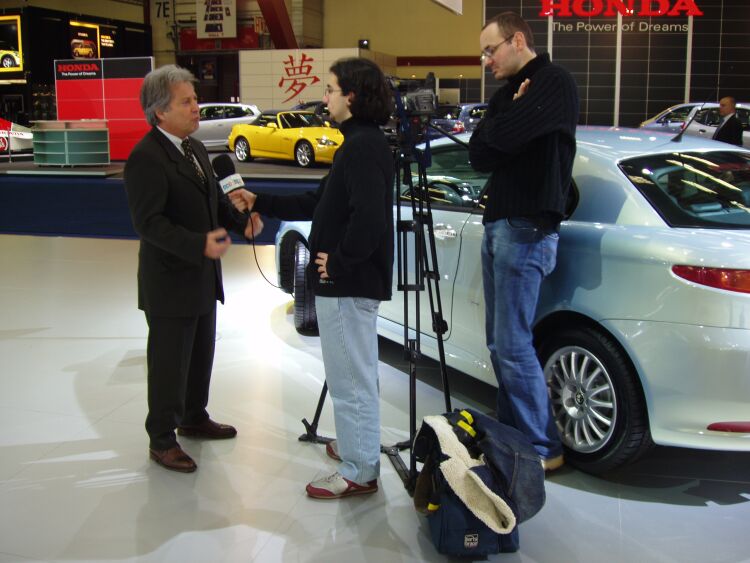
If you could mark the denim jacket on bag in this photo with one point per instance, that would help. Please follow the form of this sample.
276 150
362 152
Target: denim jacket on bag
505 485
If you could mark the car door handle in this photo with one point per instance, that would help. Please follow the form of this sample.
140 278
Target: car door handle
444 232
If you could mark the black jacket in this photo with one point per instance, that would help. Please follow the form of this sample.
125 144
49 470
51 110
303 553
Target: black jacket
352 216
730 132
172 210
528 144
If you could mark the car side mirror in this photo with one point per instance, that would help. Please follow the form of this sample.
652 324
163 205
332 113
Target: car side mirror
272 126
326 124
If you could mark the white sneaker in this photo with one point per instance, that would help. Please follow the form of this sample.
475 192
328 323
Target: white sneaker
336 486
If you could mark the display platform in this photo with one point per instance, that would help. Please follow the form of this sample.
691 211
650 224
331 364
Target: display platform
261 170
85 206
30 169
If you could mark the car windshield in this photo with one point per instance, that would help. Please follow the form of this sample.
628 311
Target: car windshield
451 180
695 189
292 120
447 112
679 114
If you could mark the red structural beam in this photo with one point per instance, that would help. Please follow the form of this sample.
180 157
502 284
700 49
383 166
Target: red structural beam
279 24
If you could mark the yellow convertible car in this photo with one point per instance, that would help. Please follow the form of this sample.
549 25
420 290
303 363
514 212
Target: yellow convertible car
301 136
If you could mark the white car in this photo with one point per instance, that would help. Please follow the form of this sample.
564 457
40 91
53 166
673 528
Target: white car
643 329
217 120
17 137
703 118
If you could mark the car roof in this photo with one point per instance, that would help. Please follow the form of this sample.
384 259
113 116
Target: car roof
278 111
617 143
704 104
233 104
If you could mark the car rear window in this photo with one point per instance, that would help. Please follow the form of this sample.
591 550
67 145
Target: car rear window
695 189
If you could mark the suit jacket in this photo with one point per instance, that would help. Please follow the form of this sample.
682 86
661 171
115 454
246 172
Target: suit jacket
730 132
172 210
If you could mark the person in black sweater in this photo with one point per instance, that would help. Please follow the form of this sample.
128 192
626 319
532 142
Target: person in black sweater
527 141
351 242
730 129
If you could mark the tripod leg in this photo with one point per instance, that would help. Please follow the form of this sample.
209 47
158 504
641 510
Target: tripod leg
311 434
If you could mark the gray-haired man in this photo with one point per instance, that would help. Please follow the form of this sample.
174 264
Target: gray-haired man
180 215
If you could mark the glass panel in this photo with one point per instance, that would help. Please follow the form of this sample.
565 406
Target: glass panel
451 181
679 115
710 190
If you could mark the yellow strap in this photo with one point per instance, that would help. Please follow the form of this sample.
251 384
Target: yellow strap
468 417
469 429
432 507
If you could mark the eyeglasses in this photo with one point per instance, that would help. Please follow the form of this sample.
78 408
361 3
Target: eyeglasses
489 51
328 91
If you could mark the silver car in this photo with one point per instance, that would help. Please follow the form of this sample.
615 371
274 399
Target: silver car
643 329
217 120
703 118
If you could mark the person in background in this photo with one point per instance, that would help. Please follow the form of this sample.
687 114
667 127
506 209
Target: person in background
351 242
181 216
527 141
730 128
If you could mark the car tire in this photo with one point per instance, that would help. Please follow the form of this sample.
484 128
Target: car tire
287 262
242 149
8 62
597 400
305 319
304 155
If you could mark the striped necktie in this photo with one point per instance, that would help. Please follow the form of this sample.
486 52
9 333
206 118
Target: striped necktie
191 157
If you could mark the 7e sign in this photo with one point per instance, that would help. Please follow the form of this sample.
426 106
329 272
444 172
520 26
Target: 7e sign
642 8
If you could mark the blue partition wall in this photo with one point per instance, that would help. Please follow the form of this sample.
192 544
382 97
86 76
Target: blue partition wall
93 207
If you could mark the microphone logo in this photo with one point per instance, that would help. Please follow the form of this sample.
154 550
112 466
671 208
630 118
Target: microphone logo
231 183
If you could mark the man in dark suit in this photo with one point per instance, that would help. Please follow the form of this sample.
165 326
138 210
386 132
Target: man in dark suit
730 128
180 215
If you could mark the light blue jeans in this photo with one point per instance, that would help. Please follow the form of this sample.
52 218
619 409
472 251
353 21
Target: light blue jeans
349 340
516 257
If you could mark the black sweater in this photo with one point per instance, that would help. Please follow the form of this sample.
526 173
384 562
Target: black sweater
352 216
529 144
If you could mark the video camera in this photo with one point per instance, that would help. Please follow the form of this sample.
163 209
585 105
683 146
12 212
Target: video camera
415 103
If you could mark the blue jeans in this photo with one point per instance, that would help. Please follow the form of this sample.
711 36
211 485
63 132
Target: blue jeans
516 256
349 340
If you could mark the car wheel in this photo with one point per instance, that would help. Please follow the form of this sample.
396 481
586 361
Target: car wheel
8 61
305 320
597 400
242 149
287 261
303 154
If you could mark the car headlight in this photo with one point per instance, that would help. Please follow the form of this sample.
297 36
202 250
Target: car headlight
326 142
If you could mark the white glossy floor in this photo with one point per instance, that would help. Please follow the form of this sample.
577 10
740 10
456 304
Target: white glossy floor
76 483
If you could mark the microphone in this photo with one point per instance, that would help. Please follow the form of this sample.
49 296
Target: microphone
229 180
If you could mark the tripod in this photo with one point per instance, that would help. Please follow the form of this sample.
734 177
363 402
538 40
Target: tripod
424 274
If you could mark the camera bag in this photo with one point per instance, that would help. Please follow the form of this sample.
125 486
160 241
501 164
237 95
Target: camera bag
479 480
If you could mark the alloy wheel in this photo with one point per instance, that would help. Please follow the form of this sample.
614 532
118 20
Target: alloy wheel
583 398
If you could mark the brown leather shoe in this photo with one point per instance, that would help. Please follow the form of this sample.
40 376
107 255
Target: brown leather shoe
174 459
208 429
